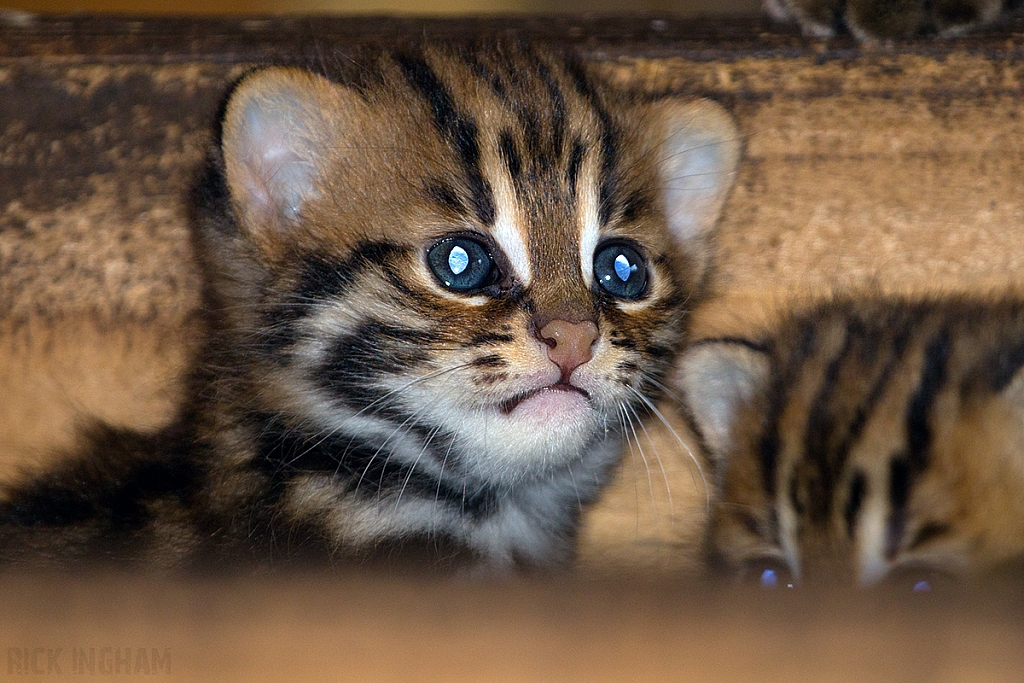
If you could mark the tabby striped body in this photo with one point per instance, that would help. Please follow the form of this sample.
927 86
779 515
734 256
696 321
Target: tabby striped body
438 279
867 439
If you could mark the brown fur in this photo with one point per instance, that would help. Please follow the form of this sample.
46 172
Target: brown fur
352 397
919 399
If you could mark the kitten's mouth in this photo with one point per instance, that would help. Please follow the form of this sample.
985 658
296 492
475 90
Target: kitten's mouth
511 404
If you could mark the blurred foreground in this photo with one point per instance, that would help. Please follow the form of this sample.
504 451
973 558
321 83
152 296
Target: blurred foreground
363 628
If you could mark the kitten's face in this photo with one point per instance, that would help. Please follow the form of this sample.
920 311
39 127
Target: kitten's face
862 448
476 252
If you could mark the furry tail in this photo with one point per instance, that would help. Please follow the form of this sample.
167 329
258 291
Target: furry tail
125 497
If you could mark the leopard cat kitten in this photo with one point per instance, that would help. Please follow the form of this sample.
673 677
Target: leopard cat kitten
866 440
880 20
437 282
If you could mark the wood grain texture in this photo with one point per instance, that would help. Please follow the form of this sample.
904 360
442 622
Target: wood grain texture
369 628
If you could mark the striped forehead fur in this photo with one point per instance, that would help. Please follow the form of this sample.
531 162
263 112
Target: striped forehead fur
527 136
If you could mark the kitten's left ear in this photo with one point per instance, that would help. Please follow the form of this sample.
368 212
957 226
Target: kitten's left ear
276 126
700 149
717 378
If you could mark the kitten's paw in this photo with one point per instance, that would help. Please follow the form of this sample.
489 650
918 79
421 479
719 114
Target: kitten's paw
878 21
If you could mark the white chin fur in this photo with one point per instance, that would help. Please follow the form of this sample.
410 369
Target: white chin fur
517 446
524 444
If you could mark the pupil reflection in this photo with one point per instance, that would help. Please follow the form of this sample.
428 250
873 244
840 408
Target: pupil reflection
458 260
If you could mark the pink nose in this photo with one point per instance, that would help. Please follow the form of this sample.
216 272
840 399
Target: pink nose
569 344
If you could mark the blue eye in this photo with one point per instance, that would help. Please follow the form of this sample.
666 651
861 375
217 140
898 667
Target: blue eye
917 579
461 264
767 572
620 270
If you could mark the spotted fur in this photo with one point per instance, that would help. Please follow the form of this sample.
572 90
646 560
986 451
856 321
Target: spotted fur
350 400
867 439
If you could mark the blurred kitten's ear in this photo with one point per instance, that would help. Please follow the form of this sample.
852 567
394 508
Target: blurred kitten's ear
275 127
700 149
717 377
1013 392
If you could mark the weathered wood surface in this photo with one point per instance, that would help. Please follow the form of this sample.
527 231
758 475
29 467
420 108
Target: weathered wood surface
360 628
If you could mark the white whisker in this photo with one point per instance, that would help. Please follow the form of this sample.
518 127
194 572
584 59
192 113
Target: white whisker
393 392
444 461
412 467
661 465
620 411
693 458
572 479
643 457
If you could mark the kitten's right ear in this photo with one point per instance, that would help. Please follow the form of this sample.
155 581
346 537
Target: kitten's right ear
717 377
276 125
700 150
